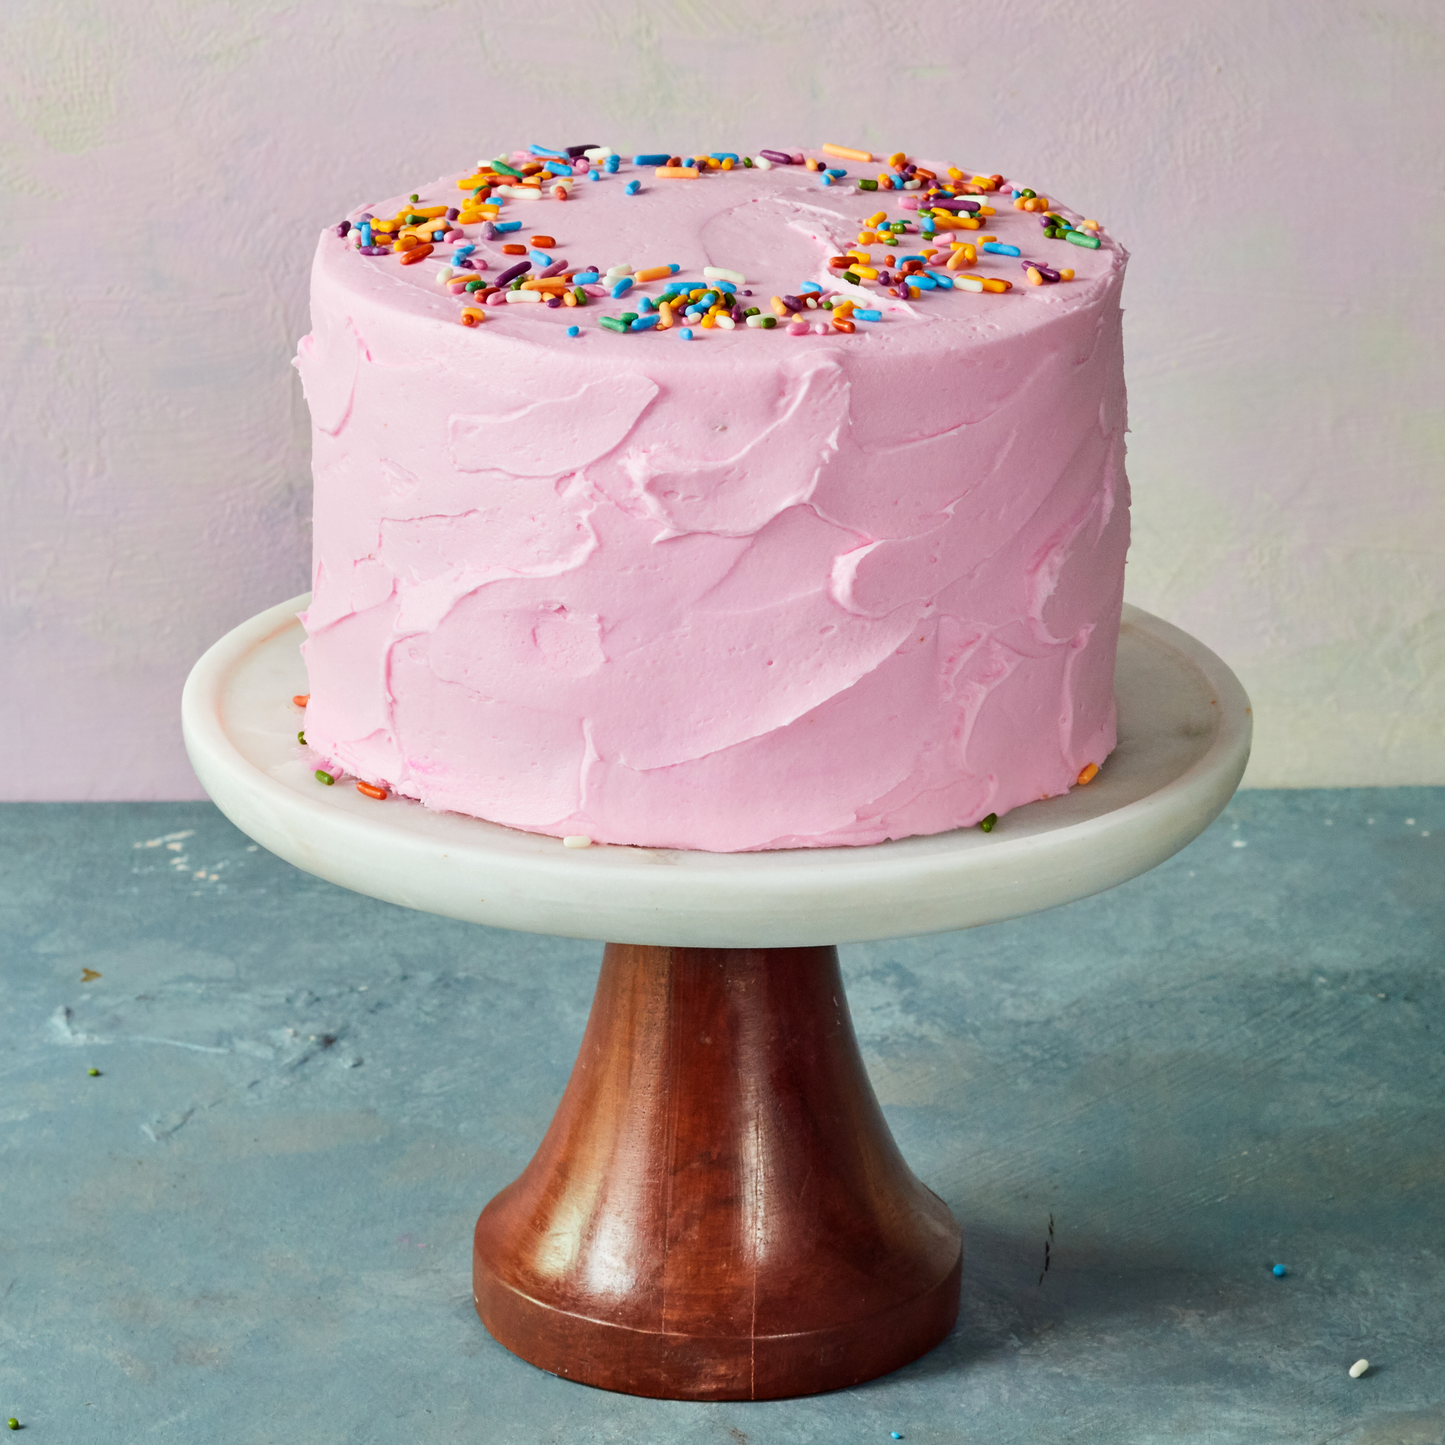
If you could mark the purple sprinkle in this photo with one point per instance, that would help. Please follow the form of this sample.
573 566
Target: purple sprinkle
452 213
574 151
778 158
343 228
1047 272
489 231
466 264
555 269
940 203
512 272
554 301
747 293
367 217
792 303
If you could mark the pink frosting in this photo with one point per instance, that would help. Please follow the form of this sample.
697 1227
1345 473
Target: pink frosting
758 590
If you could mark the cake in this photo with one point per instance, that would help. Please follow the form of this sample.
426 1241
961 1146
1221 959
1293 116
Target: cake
597 555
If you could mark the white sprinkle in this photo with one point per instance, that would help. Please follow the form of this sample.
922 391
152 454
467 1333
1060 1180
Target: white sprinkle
1358 1369
1409 822
762 163
576 840
621 269
755 320
174 847
717 273
444 274
1239 843
598 153
513 296
726 322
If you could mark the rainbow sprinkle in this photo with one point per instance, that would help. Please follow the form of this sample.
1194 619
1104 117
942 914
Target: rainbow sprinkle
932 207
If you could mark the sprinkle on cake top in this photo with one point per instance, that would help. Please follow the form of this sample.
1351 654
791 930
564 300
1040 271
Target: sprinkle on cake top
935 237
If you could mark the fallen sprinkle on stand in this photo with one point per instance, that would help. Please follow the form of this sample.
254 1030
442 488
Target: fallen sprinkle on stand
301 699
1279 1271
988 822
1090 772
1358 1369
94 1073
576 840
324 777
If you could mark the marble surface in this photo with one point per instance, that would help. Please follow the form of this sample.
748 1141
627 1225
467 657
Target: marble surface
1184 733
254 1224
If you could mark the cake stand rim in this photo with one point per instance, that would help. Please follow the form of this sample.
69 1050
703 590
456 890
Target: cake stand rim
816 896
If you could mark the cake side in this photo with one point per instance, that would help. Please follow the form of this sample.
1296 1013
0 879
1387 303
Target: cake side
766 591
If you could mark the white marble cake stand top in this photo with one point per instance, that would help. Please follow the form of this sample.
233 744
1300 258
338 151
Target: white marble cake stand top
1184 733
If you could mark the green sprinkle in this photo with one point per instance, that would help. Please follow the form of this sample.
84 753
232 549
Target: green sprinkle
414 197
478 190
889 240
988 822
611 323
506 170
768 322
94 1073
629 317
413 219
475 285
852 278
1027 195
324 777
753 311
582 297
1080 239
516 285
748 162
867 185
13 1423
1052 233
301 738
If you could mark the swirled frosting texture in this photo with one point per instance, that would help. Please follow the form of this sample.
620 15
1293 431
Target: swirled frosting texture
753 591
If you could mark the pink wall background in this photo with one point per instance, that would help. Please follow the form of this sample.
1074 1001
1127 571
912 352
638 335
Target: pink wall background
1276 170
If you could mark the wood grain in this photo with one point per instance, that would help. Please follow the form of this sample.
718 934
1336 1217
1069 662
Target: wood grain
718 1210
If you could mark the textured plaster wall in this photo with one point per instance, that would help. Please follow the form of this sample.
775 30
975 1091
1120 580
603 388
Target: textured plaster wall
1275 169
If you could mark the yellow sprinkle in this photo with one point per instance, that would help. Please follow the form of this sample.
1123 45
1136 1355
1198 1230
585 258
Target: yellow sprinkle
1036 279
867 238
1066 274
1090 225
876 218
897 158
954 174
779 306
866 273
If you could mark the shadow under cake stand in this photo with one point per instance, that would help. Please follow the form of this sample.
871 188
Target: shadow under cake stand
718 1210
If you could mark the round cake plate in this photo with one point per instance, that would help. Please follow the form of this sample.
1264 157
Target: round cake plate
718 1210
1184 731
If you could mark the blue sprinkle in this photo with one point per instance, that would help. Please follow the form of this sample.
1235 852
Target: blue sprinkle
686 333
673 267
835 173
1279 1271
621 286
812 286
632 187
586 278
548 151
593 176
539 258
924 283
867 315
552 170
612 163
574 331
944 281
825 179
999 249
503 226
645 323
651 159
647 305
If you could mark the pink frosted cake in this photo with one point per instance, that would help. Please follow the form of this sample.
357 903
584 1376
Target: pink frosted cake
752 504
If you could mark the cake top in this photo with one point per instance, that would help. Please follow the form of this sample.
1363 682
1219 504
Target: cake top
552 243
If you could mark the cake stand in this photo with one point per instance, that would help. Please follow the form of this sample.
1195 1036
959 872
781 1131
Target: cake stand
718 1210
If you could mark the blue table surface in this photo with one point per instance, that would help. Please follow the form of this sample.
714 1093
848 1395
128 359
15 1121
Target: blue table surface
254 1224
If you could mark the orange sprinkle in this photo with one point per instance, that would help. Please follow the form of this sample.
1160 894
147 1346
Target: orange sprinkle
415 254
664 316
471 316
651 273
543 241
545 283
1035 279
1066 274
677 173
406 242
1089 774
813 164
847 153
370 790
841 323
885 181
780 307
513 249
301 699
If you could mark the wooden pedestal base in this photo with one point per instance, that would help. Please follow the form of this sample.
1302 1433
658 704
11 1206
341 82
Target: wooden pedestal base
718 1210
